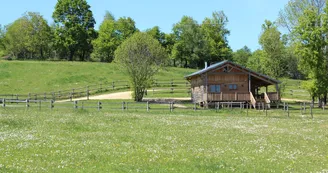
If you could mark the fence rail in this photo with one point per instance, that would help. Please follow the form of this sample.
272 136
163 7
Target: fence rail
173 86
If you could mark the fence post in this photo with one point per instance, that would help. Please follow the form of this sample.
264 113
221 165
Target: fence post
287 109
27 103
73 92
311 106
71 97
147 106
3 102
247 108
123 103
45 96
99 106
284 106
127 106
40 104
304 107
100 87
51 104
75 105
87 92
113 85
53 96
170 107
266 110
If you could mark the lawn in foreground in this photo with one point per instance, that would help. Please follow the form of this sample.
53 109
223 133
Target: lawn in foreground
204 141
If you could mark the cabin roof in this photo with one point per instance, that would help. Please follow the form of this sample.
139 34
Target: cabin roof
222 63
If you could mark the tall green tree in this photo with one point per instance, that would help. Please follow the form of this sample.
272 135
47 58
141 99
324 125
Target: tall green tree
311 34
189 44
272 44
111 34
141 56
242 55
156 33
215 35
28 37
75 27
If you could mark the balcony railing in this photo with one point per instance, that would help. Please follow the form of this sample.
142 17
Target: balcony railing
228 96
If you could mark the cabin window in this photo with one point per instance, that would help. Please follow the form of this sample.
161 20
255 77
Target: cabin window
215 88
232 86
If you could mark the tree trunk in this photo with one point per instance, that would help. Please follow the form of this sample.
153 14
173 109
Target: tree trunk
41 53
71 55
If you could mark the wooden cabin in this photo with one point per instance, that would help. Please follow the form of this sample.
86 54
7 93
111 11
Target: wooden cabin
227 81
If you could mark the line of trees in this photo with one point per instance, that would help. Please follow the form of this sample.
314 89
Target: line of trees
73 37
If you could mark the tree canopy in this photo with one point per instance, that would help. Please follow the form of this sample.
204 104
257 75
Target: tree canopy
74 27
140 56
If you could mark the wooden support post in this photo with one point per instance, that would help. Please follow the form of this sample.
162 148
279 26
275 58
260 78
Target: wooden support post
284 106
221 96
27 103
304 107
172 106
247 108
147 106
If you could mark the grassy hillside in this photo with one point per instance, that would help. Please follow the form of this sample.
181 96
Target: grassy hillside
22 77
50 141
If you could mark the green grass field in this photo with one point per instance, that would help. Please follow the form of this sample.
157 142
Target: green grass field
22 77
202 141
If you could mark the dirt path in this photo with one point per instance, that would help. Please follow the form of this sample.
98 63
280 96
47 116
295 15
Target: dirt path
120 95
112 96
295 100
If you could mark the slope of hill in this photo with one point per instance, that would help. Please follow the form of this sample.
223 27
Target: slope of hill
22 77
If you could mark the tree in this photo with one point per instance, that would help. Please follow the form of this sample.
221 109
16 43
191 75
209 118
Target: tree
28 37
2 41
74 27
111 34
107 41
289 16
215 35
311 36
272 44
189 44
257 61
242 55
141 56
156 33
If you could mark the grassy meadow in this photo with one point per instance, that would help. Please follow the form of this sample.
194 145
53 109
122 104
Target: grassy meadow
202 141
22 77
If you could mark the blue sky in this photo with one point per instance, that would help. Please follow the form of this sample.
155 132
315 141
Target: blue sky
245 16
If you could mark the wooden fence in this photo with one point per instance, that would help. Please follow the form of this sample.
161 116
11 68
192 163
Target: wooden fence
171 86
